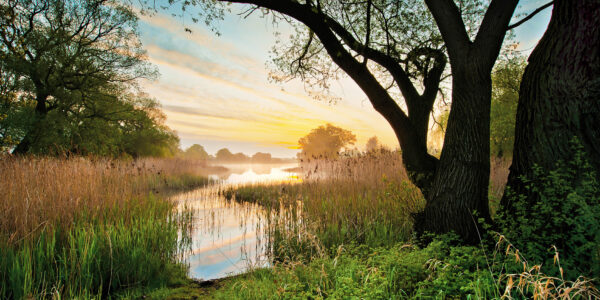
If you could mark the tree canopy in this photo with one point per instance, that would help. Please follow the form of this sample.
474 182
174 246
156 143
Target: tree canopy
72 69
325 141
196 151
372 144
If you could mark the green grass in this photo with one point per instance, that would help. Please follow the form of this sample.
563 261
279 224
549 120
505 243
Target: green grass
351 238
133 247
361 272
441 270
326 217
178 182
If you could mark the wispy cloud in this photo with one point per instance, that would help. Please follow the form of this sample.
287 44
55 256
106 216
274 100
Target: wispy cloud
216 93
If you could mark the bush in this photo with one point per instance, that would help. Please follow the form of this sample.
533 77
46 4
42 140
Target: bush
562 208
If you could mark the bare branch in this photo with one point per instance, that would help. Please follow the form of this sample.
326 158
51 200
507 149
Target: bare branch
531 15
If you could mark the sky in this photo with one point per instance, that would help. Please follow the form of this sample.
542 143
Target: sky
215 90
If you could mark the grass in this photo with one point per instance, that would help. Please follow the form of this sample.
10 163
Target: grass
91 228
345 231
442 270
364 200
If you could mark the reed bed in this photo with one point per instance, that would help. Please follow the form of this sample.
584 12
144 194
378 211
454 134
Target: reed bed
363 199
345 231
90 227
366 199
42 192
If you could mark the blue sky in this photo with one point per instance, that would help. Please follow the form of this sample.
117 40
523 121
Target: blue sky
215 89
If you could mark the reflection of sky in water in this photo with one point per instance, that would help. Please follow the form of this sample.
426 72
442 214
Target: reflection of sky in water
229 237
255 173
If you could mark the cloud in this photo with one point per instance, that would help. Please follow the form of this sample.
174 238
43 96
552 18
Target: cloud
213 92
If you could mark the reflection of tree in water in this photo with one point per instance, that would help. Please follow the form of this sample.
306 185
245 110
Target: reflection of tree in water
261 169
232 169
258 169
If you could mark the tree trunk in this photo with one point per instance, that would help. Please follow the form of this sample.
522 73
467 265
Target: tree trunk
560 95
459 194
33 134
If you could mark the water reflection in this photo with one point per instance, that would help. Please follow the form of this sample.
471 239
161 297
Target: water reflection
229 237
249 173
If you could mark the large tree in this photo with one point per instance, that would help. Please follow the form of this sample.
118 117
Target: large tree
61 51
553 193
559 95
362 38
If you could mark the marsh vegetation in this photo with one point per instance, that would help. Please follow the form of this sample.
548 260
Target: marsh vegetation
98 200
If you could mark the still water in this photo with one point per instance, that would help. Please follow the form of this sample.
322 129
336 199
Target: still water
227 237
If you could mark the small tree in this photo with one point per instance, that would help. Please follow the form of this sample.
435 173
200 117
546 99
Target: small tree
224 154
325 142
260 157
196 152
372 144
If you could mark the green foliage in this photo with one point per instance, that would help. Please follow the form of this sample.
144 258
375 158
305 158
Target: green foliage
138 246
112 126
15 118
560 207
506 81
357 271
75 83
196 152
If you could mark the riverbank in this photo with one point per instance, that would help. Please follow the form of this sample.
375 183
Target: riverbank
347 233
89 228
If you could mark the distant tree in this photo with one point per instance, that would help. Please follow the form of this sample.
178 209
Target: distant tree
65 55
260 157
325 142
372 144
240 157
196 152
506 80
224 155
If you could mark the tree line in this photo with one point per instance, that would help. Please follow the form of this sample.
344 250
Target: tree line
225 155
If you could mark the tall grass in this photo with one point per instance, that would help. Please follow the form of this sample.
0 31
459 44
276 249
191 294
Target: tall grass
89 227
38 193
366 199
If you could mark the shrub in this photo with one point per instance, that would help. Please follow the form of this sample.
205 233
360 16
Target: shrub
562 209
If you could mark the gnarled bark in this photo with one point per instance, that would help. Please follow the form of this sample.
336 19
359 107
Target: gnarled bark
457 185
560 95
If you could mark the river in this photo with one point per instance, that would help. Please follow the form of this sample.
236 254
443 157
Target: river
229 238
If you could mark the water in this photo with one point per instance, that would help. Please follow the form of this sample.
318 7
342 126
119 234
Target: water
228 237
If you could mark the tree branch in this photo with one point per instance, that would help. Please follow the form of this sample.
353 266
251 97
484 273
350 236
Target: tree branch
493 29
531 15
448 19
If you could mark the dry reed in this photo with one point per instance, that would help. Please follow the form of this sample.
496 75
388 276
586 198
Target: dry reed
41 192
364 199
532 282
